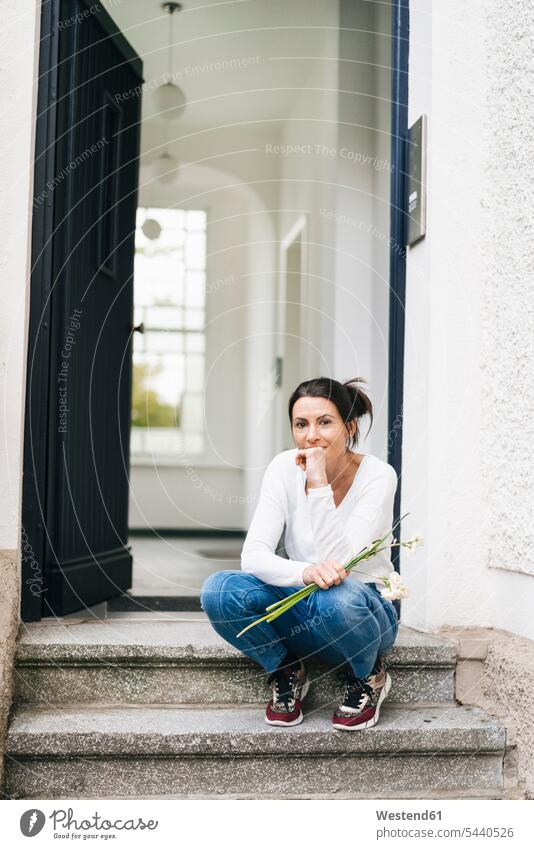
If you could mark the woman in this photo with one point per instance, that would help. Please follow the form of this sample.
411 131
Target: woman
332 502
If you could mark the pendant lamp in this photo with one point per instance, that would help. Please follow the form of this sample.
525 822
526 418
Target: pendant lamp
151 229
169 98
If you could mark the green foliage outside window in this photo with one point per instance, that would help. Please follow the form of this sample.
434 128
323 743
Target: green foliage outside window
148 410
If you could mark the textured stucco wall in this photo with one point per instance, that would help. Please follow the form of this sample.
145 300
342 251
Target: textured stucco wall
495 671
508 296
509 682
9 620
469 398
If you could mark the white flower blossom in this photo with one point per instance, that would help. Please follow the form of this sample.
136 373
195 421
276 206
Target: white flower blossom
393 588
412 544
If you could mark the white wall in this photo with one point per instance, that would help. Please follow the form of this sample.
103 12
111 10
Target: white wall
469 393
18 72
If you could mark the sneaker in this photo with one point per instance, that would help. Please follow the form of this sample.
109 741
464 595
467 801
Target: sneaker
290 686
363 698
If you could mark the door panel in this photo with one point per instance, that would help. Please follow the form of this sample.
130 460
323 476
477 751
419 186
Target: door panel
95 135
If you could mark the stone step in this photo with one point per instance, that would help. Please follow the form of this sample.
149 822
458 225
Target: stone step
153 602
72 751
176 662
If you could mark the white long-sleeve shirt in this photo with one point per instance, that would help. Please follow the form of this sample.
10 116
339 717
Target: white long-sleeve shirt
314 529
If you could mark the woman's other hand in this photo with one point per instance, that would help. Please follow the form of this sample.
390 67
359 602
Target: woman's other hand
325 574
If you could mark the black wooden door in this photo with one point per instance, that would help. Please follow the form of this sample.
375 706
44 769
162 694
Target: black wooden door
76 465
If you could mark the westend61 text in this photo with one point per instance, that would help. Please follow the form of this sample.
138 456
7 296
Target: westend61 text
408 815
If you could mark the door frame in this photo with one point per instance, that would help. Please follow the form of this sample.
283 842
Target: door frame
36 489
400 26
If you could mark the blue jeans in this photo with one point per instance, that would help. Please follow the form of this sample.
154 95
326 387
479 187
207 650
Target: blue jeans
350 622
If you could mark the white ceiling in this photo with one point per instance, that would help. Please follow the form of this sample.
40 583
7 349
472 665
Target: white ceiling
272 45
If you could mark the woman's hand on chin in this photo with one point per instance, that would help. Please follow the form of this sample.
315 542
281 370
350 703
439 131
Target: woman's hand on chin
326 574
313 461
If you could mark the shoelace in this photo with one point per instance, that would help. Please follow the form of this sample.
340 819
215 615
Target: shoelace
355 689
283 682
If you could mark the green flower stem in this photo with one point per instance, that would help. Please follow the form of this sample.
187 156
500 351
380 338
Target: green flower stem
297 596
284 604
256 622
307 590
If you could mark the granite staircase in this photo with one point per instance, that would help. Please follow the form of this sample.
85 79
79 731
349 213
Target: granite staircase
161 707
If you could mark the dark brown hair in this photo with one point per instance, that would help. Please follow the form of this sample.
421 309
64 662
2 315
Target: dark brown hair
349 399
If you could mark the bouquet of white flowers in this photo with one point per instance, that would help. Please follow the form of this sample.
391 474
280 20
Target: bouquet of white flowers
392 586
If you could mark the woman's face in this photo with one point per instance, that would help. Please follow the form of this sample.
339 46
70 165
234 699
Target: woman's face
316 423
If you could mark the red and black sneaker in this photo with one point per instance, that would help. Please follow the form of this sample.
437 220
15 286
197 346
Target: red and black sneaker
363 698
290 685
